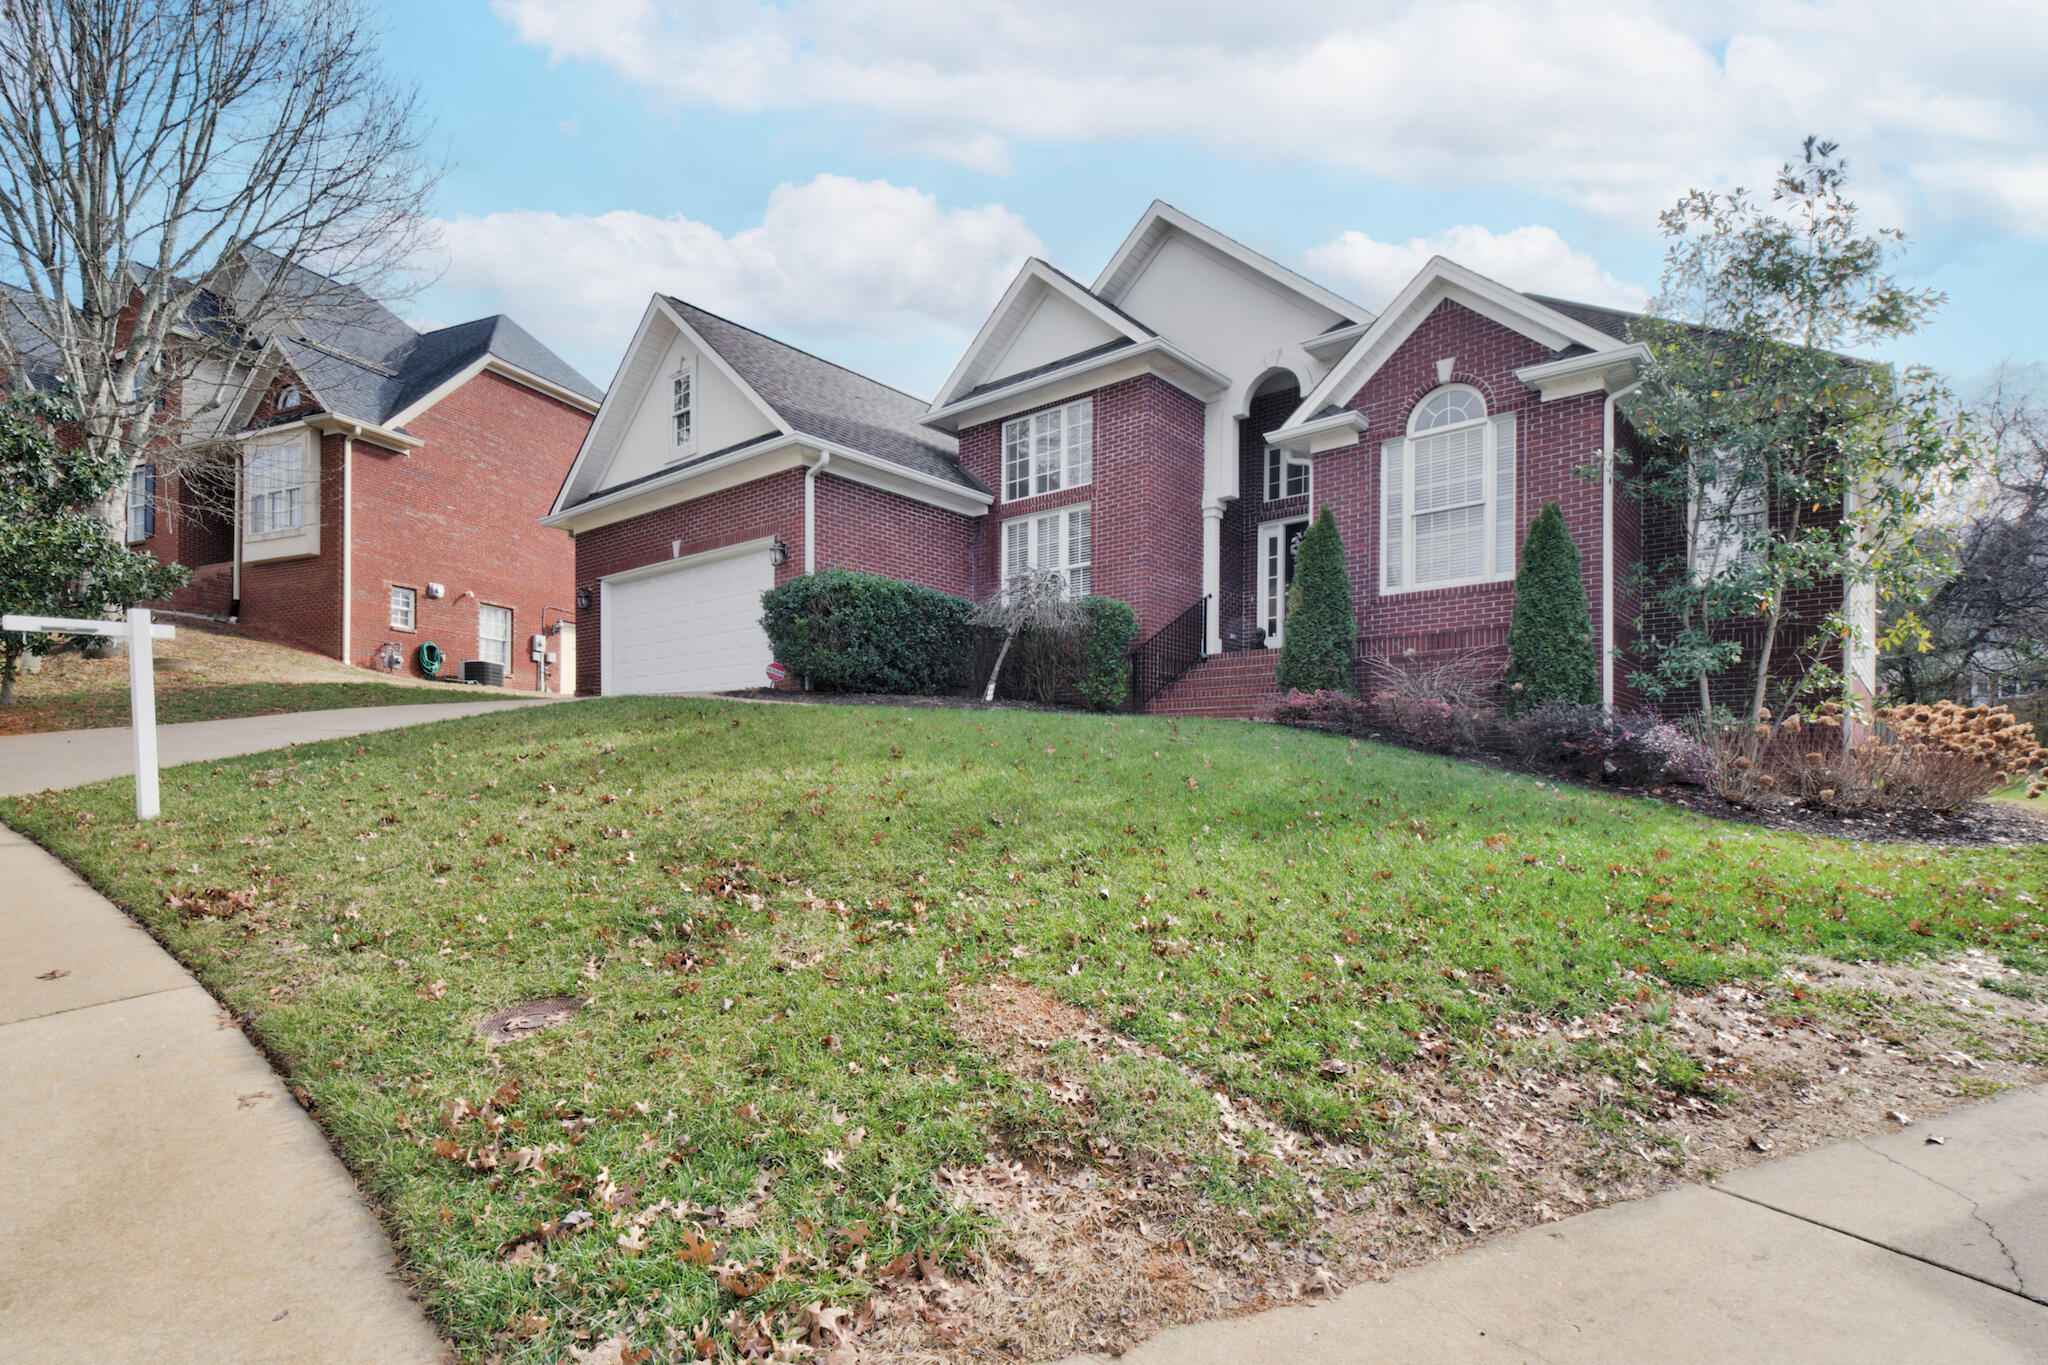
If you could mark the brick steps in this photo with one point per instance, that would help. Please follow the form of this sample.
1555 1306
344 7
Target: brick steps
1239 684
210 593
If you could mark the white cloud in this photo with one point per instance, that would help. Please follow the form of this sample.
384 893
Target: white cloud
831 256
1614 105
1532 258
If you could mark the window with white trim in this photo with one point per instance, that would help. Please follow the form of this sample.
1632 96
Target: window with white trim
404 608
1285 478
1049 450
142 502
1447 496
1059 542
276 489
494 635
682 398
1729 528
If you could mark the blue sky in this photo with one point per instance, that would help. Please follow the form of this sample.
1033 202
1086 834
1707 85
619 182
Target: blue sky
861 177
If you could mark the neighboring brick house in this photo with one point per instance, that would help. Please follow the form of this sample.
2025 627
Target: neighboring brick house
1161 436
384 488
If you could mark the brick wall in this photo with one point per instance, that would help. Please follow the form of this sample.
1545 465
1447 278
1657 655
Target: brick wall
464 511
877 531
1556 443
1663 557
770 506
1146 499
299 600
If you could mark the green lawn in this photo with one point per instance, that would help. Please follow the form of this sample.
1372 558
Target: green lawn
88 709
766 906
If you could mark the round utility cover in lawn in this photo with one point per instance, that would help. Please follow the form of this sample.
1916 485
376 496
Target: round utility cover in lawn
523 1021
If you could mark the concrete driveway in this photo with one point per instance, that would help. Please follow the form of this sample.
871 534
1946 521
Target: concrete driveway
72 758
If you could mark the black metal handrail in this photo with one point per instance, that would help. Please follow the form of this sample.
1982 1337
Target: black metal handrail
1172 650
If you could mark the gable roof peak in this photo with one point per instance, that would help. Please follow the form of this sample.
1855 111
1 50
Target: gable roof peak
1162 220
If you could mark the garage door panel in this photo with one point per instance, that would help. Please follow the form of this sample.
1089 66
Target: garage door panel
696 628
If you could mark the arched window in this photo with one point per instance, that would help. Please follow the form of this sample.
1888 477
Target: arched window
1447 495
289 399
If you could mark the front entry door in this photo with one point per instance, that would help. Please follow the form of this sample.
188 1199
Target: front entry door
1278 541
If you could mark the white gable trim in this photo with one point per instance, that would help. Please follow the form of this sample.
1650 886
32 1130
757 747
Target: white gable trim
1154 355
772 454
1437 281
622 400
1162 219
1019 301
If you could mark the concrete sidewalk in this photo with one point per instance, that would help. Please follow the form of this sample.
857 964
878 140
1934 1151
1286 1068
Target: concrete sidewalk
162 1198
1888 1249
72 758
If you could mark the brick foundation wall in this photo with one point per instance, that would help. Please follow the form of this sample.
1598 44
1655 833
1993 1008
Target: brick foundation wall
464 511
1145 499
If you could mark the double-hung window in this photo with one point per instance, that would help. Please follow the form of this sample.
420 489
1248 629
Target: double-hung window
1729 528
1447 496
1049 450
1059 542
494 635
277 480
404 608
1285 478
682 403
142 502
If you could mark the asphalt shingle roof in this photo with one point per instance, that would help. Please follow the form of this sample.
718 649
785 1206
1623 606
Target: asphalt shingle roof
830 402
1612 321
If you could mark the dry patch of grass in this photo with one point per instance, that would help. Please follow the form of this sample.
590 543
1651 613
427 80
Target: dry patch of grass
1106 1237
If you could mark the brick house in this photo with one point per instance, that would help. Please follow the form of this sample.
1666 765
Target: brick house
1162 436
381 486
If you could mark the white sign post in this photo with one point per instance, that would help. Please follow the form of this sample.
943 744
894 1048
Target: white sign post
138 632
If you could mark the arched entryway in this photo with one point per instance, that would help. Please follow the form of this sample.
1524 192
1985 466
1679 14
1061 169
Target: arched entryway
1273 500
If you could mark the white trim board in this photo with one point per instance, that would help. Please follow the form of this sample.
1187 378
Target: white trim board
1160 219
1033 281
1441 279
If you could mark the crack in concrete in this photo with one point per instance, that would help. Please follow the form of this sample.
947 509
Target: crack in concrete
2010 1260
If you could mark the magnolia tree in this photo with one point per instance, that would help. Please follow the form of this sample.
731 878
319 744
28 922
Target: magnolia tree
55 556
1789 462
182 178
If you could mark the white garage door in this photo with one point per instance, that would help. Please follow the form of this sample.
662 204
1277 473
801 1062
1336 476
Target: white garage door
694 627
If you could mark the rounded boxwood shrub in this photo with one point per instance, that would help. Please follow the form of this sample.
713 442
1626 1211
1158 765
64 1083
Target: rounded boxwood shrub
1550 642
862 632
1105 675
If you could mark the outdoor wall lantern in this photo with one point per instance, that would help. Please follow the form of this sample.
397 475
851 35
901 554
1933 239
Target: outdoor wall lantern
583 599
777 553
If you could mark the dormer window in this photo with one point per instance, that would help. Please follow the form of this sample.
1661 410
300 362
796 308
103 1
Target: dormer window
682 398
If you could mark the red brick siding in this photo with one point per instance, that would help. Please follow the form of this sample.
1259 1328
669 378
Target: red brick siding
1556 443
1663 557
876 531
299 600
464 511
1146 498
770 506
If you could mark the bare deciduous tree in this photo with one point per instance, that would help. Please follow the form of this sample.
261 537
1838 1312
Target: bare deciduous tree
1987 622
180 179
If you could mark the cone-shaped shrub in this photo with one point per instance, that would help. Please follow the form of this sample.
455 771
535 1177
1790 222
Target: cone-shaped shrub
1322 632
1551 656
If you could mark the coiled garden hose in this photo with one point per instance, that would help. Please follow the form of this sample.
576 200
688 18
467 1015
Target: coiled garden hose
430 659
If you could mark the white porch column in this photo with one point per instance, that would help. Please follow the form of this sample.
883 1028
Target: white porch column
1212 571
